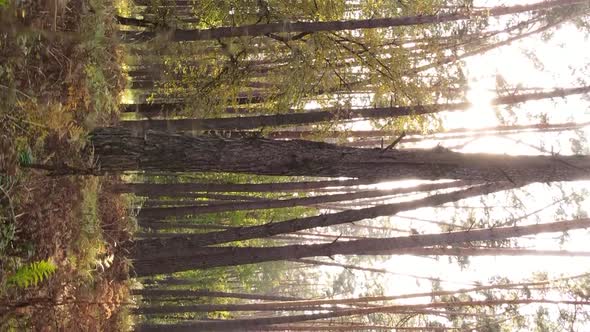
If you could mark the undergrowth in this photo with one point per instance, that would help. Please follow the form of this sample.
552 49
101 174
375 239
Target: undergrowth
59 79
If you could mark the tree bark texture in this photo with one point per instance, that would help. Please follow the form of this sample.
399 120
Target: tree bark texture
119 149
208 257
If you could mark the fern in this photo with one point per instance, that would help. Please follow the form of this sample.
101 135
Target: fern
32 273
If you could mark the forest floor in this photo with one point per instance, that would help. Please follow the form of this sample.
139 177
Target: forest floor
62 262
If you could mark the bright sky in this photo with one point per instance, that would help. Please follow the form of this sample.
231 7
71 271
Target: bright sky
560 55
566 50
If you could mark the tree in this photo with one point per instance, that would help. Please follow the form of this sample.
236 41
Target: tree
181 246
188 209
207 257
311 117
304 28
120 150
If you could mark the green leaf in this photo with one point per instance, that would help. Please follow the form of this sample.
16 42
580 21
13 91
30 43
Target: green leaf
32 274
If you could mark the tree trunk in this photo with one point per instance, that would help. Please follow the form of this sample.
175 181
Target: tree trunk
311 117
174 224
119 150
245 324
174 189
296 305
182 246
310 27
209 257
178 293
186 209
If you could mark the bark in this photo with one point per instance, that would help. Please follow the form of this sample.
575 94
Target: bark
311 27
173 224
231 256
202 200
176 293
174 189
172 309
183 246
161 212
311 117
245 324
120 150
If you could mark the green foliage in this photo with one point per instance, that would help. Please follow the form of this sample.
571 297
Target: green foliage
3 3
32 274
25 156
90 244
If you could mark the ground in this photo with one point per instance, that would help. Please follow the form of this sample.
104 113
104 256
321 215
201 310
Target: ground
59 78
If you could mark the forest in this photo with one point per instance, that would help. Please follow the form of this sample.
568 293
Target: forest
309 165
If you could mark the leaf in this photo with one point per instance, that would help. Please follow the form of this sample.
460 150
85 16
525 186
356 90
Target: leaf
32 274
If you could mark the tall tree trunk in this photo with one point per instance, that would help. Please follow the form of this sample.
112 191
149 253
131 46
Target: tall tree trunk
209 257
174 189
311 117
174 224
302 304
119 149
182 246
182 293
186 209
304 28
245 324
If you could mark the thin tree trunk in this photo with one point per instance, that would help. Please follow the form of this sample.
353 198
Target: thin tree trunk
231 256
311 27
302 304
173 224
311 117
177 293
153 189
244 324
182 246
161 212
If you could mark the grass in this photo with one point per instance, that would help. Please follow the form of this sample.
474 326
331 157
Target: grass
59 78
